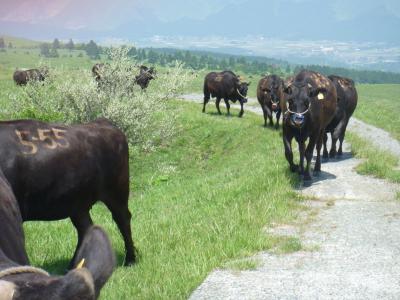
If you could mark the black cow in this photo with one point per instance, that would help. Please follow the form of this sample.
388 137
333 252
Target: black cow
21 77
347 101
269 95
59 172
97 70
225 85
309 105
145 76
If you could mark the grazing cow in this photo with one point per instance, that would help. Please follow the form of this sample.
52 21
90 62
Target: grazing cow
97 70
225 85
21 77
59 172
347 101
19 281
269 95
145 76
309 105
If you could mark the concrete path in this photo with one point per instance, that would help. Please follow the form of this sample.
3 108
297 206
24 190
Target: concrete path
355 234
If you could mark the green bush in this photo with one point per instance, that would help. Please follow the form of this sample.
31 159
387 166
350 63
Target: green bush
75 97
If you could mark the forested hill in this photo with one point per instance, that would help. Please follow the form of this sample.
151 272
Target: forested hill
254 64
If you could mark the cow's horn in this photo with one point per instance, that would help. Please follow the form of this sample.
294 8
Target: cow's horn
309 85
80 265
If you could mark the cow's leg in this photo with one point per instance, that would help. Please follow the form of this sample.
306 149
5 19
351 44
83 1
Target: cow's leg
241 109
206 99
335 136
309 154
227 106
302 149
341 138
278 115
317 167
325 151
217 104
269 114
287 143
122 216
265 116
82 222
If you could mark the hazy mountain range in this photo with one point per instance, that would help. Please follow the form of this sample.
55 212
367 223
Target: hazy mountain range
349 33
373 21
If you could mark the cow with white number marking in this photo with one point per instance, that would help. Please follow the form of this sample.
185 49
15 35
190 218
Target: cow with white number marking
59 172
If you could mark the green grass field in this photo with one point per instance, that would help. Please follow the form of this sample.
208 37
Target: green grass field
197 204
379 105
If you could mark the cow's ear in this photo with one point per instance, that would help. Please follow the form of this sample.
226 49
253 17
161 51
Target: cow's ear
287 89
248 83
97 255
317 91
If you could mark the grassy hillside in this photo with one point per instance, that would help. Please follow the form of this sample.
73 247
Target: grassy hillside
379 105
197 203
20 42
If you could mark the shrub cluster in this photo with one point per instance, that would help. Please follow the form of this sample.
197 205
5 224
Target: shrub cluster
74 96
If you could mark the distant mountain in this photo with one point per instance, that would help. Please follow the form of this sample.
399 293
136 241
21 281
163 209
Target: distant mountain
312 20
282 19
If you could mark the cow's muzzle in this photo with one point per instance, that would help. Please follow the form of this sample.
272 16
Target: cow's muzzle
275 106
297 119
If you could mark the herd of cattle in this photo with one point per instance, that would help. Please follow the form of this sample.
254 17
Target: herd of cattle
52 171
312 105
22 77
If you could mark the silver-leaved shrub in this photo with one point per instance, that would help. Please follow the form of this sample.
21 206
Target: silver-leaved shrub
74 96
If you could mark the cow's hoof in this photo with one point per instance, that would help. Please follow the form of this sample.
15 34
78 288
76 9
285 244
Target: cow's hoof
294 168
306 177
316 173
340 153
325 155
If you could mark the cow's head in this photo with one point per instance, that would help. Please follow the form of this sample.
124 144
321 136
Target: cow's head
241 90
298 98
272 90
97 264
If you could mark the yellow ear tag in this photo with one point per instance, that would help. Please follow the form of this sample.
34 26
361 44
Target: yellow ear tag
80 265
321 96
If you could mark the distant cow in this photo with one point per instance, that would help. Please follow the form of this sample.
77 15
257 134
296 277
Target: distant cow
145 76
225 85
347 101
97 71
59 172
21 77
269 95
309 106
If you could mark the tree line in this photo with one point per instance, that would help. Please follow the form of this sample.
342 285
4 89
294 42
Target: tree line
199 60
254 65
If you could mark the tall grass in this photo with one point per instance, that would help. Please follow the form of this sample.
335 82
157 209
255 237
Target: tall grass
376 162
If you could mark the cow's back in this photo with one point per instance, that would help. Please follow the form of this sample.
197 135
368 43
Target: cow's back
220 84
54 168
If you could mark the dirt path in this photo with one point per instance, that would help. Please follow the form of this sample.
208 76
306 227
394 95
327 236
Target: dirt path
354 231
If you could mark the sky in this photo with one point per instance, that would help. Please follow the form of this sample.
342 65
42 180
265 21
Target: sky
105 14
